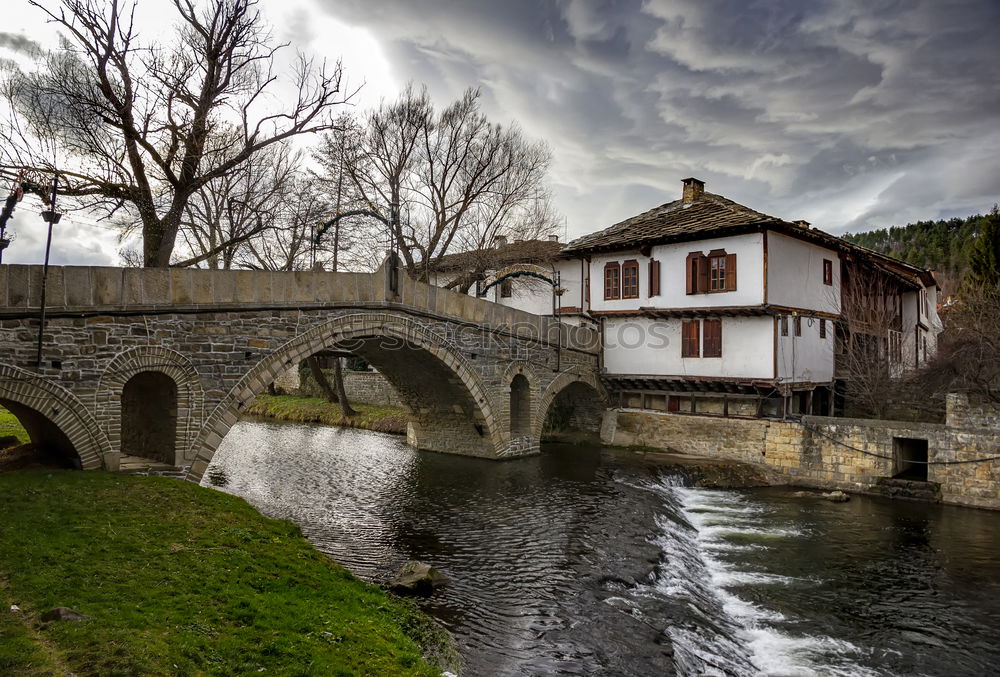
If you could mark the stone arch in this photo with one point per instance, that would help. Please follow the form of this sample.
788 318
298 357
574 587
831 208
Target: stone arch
55 415
573 377
351 331
190 401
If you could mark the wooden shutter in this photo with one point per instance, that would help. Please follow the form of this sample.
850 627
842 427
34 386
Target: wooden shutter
691 272
612 281
713 338
703 274
730 272
689 338
630 279
654 277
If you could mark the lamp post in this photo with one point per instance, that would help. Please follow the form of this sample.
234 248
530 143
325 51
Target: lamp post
50 216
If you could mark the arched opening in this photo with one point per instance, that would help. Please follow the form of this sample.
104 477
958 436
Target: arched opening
574 414
48 445
520 407
149 417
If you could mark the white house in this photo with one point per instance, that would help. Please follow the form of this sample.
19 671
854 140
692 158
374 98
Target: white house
708 306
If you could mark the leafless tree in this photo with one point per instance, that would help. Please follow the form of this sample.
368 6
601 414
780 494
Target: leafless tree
231 211
869 341
143 127
441 181
968 358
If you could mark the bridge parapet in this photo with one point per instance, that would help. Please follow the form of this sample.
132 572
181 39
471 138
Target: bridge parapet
92 290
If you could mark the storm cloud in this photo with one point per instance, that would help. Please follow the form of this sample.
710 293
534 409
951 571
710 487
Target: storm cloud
847 114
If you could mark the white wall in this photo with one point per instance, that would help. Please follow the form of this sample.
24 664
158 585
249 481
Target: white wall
673 287
795 274
653 347
806 358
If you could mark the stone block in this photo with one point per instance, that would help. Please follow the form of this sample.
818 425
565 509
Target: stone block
79 286
156 287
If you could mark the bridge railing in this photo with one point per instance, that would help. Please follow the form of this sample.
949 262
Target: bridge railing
93 290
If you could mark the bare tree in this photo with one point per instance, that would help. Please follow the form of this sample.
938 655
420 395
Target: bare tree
968 359
231 211
869 339
439 180
143 127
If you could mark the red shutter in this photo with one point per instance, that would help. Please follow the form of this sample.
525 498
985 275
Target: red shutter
730 272
654 277
691 272
713 338
689 338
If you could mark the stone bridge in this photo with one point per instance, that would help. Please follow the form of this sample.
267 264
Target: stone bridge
158 363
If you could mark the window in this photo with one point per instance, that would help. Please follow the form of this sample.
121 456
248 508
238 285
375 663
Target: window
712 330
612 281
506 288
717 273
654 277
784 325
630 280
798 325
827 271
713 273
689 339
822 328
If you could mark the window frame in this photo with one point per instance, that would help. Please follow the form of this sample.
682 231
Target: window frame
828 272
629 267
612 292
797 325
717 273
506 288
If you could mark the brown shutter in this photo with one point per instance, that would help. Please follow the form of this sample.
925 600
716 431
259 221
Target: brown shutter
730 272
654 277
689 338
691 272
713 338
703 273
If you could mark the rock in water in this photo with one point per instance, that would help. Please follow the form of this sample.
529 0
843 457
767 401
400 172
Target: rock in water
837 497
416 578
62 613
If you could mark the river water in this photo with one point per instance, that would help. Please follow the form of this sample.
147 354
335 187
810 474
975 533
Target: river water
584 561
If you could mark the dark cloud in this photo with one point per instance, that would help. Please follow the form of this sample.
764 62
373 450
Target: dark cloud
18 43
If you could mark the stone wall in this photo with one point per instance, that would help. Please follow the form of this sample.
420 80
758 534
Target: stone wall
365 387
833 453
224 336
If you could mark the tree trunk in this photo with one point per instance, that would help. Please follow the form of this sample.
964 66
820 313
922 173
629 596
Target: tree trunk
338 378
320 378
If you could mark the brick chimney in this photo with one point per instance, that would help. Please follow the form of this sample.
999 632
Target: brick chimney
501 241
553 238
802 223
693 190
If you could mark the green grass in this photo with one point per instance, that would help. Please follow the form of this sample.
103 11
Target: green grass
10 426
182 580
378 417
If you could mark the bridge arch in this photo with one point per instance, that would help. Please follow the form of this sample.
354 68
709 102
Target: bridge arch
53 415
188 405
448 403
581 395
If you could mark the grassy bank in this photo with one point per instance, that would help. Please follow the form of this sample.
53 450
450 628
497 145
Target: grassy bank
379 417
10 426
181 580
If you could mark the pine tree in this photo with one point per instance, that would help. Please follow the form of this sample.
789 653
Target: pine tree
984 259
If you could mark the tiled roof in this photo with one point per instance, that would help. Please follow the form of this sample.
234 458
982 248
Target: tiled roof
674 220
524 251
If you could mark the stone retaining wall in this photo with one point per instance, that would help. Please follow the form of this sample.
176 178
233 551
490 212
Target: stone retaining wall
834 453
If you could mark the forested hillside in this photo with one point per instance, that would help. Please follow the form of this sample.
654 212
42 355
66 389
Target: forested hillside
943 246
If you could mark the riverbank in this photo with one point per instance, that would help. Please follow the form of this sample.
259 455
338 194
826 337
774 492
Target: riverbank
378 417
178 579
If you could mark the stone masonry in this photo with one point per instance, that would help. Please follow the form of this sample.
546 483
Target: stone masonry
829 452
223 336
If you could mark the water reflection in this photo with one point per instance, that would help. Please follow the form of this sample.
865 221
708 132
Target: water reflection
582 562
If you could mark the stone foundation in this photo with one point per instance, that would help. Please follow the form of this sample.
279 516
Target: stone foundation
835 453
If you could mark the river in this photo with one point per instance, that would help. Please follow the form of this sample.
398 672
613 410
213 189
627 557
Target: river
585 561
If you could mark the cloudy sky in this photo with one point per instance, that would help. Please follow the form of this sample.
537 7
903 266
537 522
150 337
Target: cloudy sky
850 115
